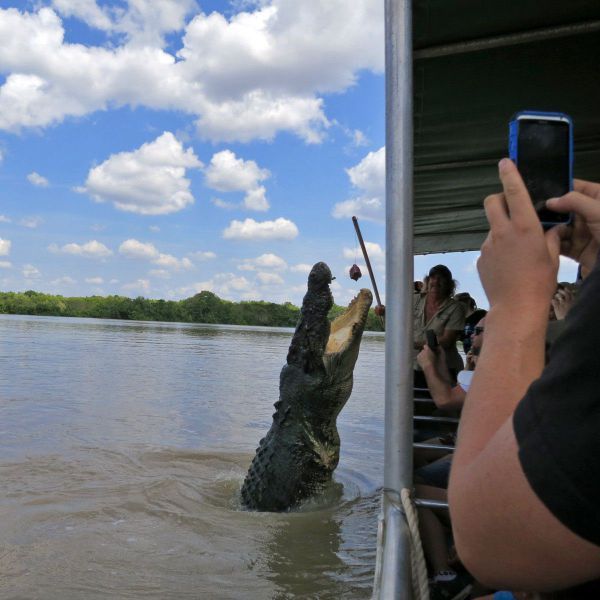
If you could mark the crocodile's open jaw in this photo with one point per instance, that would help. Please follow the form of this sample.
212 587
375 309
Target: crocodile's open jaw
348 327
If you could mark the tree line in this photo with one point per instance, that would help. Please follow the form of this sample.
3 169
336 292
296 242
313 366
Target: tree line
204 307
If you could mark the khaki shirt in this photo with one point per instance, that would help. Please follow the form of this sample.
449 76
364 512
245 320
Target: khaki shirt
451 315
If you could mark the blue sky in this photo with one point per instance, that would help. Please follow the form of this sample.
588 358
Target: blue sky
164 147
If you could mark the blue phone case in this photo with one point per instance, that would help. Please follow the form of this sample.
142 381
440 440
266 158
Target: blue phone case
513 135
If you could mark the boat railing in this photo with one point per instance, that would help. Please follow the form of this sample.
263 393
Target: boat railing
422 399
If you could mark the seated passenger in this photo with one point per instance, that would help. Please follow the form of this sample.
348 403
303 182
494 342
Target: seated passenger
473 316
447 397
435 309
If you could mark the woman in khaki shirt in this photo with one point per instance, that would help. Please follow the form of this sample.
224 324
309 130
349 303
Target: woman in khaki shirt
437 310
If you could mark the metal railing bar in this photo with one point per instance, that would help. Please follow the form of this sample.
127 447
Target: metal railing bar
424 446
436 419
424 503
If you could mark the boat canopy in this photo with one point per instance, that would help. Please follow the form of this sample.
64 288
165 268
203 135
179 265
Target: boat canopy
456 72
476 63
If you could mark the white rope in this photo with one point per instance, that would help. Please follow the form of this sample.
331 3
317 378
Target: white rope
419 568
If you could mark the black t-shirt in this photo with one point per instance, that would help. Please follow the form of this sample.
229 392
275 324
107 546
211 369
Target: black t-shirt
557 423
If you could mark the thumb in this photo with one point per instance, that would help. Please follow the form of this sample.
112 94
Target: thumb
553 240
577 202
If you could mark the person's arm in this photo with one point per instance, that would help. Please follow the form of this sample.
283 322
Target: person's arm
448 338
445 396
454 327
504 534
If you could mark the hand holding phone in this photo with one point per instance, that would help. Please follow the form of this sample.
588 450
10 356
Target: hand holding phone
432 340
582 241
541 145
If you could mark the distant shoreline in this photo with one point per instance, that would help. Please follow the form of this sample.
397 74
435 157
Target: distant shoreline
204 307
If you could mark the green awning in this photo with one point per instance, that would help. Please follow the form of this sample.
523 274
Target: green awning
476 63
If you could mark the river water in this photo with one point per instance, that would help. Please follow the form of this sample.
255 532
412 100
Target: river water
123 447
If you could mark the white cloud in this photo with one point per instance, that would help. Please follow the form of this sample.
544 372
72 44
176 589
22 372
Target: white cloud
142 21
147 251
65 280
262 115
279 45
31 222
256 199
370 209
148 181
368 176
203 256
227 173
4 219
301 268
154 228
359 138
264 261
135 249
172 262
91 249
369 173
30 272
375 252
5 247
37 180
94 280
85 10
244 77
160 273
225 285
140 285
280 229
269 278
5 264
223 204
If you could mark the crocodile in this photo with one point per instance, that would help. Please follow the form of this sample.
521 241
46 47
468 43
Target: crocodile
297 457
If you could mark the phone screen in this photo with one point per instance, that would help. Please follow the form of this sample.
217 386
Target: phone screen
543 161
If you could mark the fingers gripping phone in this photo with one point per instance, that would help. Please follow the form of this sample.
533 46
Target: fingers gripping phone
432 340
541 145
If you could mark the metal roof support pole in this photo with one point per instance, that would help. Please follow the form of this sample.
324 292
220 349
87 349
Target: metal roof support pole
392 575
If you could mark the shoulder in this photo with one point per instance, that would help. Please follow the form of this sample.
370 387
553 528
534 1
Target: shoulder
458 307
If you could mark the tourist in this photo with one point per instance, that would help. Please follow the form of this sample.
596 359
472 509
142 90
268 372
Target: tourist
473 316
435 309
525 484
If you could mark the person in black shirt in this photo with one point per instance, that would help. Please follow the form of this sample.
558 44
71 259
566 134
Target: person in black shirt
524 490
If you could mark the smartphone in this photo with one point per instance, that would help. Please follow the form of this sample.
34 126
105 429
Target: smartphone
432 340
541 145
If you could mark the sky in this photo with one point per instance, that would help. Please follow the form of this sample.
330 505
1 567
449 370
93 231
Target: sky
159 148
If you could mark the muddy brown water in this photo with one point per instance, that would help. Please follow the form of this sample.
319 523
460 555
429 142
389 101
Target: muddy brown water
123 447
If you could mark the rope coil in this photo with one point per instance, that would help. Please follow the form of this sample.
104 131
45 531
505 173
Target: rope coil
418 567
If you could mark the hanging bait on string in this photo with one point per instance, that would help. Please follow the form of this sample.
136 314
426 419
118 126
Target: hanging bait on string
355 272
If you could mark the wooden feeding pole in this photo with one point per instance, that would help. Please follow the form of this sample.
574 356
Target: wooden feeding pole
380 309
